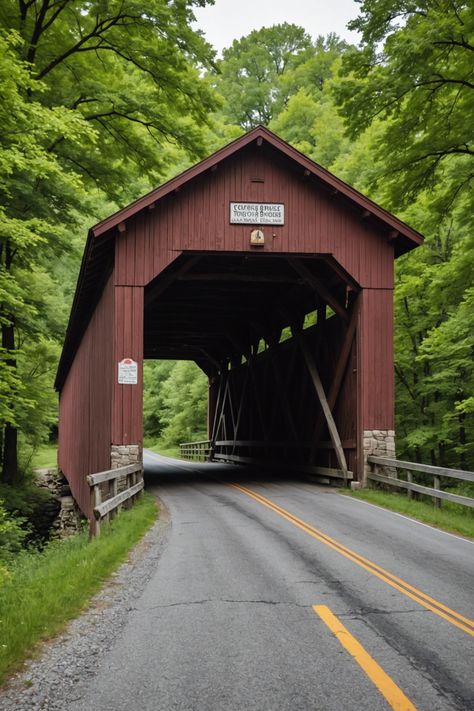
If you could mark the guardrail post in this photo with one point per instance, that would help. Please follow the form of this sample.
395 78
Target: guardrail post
437 485
410 480
97 502
105 510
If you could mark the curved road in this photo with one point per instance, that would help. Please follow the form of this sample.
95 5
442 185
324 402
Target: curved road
260 586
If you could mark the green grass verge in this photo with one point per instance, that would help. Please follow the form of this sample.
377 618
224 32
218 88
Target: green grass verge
166 450
45 457
447 517
44 590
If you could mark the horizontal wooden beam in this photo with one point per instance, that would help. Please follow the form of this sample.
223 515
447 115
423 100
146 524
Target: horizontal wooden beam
107 506
425 468
296 468
435 493
346 444
110 474
227 277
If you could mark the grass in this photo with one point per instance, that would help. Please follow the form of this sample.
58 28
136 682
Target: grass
44 590
450 517
167 450
45 457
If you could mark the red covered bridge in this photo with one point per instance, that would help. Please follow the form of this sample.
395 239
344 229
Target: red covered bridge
270 273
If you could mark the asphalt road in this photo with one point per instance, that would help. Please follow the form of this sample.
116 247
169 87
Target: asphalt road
227 620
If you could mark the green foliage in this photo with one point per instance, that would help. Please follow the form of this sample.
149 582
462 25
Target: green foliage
12 536
37 598
33 506
251 70
155 375
98 99
435 348
43 457
36 209
312 125
415 72
175 402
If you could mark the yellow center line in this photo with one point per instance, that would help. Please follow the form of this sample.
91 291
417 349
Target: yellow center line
463 623
387 687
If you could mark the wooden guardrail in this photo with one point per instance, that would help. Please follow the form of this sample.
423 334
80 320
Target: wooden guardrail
223 451
436 472
195 451
104 507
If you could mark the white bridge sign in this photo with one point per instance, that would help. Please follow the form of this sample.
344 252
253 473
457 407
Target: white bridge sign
257 213
127 372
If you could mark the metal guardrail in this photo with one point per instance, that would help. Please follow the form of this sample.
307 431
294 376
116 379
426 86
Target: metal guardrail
436 472
195 451
104 507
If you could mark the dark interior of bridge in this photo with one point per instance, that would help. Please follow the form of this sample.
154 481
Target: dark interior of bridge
251 324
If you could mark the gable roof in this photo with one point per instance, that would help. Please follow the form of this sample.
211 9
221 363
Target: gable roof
97 261
405 238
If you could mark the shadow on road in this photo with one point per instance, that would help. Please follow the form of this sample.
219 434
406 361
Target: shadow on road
175 472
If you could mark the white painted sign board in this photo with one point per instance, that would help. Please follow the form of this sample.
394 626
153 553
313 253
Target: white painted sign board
257 213
127 372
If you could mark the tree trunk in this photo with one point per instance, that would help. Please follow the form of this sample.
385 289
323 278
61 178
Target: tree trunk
462 440
10 473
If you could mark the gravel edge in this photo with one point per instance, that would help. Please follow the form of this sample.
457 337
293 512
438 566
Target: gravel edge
55 677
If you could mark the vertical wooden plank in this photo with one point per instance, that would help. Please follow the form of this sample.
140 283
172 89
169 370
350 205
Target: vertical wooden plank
376 359
85 413
127 401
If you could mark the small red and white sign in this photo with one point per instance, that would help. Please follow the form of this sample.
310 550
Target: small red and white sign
127 372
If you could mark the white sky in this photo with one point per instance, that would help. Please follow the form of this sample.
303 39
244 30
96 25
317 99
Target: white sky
227 20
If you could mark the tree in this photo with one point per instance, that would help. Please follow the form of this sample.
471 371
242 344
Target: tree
38 202
415 72
129 67
435 343
251 71
155 374
407 98
94 94
175 402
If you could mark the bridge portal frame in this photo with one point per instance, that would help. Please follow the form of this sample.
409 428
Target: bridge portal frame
170 276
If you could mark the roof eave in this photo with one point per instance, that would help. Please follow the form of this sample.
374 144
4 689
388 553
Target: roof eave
261 132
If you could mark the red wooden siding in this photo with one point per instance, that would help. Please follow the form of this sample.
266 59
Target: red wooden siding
324 220
376 369
128 399
85 403
197 218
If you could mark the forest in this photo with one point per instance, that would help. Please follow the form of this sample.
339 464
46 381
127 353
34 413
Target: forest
103 100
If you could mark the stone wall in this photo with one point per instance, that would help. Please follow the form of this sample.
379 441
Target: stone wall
69 519
121 455
377 443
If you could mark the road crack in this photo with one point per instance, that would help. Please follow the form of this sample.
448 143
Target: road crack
230 601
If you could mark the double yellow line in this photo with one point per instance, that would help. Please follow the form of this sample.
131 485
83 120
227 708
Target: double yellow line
413 593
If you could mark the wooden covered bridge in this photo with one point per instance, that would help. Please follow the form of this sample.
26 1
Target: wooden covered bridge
270 273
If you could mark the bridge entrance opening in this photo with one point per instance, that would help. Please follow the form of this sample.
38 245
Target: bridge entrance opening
270 273
275 336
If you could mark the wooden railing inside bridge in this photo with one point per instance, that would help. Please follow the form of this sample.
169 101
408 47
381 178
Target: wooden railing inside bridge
263 454
195 451
234 451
